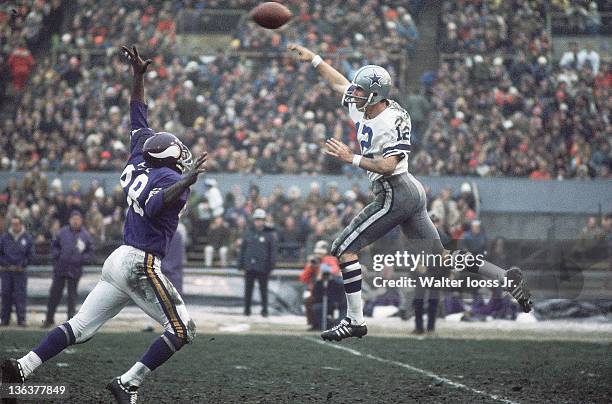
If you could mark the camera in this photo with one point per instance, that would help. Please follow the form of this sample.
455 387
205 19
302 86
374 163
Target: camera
314 260
326 271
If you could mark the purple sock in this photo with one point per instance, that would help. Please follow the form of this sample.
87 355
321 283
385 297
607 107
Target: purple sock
161 350
55 342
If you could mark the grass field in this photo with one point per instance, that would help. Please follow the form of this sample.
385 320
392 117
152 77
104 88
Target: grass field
275 368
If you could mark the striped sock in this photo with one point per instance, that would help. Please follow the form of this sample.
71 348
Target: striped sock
351 274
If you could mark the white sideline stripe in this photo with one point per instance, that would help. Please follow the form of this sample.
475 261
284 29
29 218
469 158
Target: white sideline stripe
414 369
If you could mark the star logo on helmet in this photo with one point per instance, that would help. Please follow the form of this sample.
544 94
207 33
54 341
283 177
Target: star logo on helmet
374 79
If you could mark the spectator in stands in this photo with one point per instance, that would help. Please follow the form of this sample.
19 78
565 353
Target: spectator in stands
467 195
474 240
21 63
71 249
310 275
541 173
590 58
593 19
213 196
290 239
591 231
218 239
584 18
172 264
113 226
237 232
257 259
445 208
419 108
94 223
569 60
4 79
16 252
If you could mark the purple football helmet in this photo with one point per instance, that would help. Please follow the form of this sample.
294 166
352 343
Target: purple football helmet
166 150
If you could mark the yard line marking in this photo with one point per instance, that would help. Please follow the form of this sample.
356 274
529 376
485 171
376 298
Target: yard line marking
414 369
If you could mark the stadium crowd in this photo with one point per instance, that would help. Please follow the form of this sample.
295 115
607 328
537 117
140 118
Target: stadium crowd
513 112
338 27
500 106
212 219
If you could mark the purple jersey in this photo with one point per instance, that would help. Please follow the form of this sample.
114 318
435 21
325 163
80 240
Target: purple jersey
148 225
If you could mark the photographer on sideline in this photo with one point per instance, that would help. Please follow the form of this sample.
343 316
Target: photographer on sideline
332 286
310 275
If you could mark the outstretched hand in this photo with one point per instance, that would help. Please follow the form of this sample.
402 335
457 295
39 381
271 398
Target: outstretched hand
139 66
303 54
197 168
339 150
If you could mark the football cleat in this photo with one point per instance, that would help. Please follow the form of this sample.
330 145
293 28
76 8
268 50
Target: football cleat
123 394
343 330
12 372
519 289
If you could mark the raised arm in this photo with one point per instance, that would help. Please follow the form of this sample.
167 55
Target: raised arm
335 79
139 68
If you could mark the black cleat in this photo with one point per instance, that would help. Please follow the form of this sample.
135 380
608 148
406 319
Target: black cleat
12 372
123 394
519 289
343 330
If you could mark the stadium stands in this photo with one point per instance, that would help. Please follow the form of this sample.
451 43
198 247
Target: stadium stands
269 116
497 106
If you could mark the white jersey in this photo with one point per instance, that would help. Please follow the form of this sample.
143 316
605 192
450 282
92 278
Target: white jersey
387 134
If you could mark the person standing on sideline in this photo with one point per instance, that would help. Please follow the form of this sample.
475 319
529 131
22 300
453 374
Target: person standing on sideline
15 255
70 250
257 259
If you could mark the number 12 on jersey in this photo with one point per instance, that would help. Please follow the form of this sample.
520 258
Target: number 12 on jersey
403 135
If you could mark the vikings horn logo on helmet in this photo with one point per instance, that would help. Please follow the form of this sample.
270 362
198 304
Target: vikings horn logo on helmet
166 150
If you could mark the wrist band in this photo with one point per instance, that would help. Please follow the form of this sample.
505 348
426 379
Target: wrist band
356 160
316 61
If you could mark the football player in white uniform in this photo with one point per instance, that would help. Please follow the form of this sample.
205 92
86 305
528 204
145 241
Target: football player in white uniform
383 132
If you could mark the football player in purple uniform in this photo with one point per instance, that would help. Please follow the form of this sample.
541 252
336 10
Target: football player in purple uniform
156 181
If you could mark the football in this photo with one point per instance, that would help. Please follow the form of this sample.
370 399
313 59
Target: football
271 15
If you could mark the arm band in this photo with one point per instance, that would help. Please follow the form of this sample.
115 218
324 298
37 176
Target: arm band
316 61
357 160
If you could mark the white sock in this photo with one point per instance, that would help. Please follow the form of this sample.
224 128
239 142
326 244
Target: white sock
355 308
29 363
135 375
